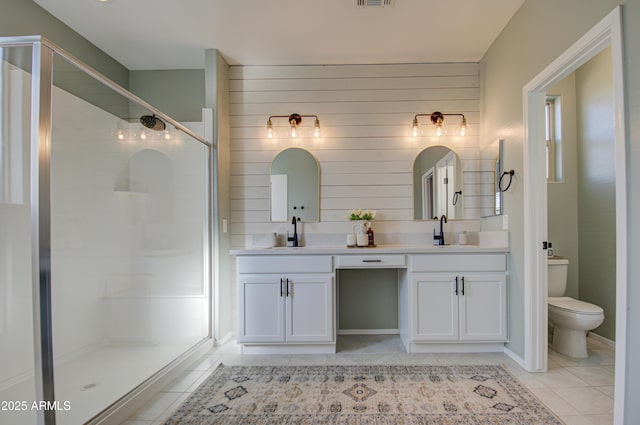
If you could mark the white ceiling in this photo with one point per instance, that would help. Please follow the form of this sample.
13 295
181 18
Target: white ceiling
174 34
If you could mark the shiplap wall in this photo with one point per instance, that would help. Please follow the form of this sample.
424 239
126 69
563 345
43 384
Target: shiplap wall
366 151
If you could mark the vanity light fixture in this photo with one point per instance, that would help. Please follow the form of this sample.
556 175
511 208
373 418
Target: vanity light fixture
294 121
437 119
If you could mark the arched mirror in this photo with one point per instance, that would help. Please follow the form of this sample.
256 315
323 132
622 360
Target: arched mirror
437 184
295 186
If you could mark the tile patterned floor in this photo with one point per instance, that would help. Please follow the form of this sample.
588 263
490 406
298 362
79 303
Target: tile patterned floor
579 391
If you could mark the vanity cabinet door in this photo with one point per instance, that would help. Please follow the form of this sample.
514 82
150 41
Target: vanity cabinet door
435 307
309 308
483 315
460 307
291 308
261 305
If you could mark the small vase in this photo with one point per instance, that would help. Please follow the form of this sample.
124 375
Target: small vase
360 227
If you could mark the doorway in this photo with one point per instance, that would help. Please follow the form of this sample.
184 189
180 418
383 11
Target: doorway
607 32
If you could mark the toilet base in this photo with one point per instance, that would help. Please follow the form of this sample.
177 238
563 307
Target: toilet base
570 342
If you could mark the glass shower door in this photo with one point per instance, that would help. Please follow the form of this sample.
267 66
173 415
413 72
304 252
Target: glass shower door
17 347
105 241
129 244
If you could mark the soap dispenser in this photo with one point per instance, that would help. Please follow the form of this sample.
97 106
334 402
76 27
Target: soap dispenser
370 236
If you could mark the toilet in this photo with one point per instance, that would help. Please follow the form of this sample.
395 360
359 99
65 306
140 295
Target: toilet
571 319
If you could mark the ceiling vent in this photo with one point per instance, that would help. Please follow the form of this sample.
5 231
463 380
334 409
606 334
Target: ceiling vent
375 3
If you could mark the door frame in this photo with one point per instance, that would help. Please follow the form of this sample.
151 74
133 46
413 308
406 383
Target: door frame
607 32
428 200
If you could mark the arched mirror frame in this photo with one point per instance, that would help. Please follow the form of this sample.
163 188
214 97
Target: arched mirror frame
431 175
302 195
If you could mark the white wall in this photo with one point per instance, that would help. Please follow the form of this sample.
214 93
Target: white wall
366 151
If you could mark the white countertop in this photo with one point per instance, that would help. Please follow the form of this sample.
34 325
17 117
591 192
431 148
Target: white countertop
380 249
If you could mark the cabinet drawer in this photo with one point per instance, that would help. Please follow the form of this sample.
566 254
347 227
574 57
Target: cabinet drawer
285 264
371 261
458 262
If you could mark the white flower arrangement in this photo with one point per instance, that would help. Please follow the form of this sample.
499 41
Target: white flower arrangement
361 214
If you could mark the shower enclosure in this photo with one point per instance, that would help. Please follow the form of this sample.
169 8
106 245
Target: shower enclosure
105 239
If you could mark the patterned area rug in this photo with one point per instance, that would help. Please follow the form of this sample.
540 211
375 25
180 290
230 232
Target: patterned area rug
362 395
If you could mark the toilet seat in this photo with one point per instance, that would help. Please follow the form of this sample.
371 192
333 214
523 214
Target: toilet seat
574 306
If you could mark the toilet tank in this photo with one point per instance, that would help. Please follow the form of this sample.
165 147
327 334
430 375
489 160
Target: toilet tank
557 276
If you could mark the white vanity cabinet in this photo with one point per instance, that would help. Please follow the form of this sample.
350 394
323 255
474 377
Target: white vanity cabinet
451 299
285 300
458 298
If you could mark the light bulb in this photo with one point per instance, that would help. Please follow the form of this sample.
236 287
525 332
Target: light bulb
294 120
316 128
120 135
269 129
437 119
167 135
463 126
143 135
416 128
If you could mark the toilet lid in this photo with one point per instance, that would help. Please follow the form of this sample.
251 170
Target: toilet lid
570 304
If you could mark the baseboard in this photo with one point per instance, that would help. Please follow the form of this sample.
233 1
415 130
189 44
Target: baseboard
602 339
456 347
276 349
513 356
368 331
227 338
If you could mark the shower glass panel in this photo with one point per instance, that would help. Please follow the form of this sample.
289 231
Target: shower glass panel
17 348
129 214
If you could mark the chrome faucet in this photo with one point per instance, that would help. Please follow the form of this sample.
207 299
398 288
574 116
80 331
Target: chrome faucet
440 236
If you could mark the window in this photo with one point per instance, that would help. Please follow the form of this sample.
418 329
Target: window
553 139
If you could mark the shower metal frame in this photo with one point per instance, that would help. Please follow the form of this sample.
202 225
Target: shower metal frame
43 51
